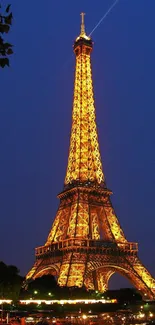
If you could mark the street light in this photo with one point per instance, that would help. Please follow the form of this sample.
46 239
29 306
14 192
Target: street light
84 318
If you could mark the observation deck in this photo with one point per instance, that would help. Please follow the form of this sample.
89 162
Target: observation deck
88 246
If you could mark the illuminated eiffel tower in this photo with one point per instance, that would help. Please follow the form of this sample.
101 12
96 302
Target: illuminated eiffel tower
86 244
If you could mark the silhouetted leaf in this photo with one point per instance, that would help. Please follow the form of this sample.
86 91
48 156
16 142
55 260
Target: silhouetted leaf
8 8
9 51
8 19
2 52
4 62
7 45
4 28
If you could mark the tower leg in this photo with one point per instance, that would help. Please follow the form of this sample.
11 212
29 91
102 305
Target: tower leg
129 267
95 280
102 279
89 282
142 279
72 270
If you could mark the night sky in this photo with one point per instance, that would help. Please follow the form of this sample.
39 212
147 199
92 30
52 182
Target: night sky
35 119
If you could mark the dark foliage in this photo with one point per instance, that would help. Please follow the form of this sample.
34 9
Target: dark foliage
125 295
10 281
5 47
46 287
41 287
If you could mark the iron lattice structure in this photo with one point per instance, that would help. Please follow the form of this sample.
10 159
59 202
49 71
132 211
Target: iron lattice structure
86 244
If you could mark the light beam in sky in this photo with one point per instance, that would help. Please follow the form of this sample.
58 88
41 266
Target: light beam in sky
105 15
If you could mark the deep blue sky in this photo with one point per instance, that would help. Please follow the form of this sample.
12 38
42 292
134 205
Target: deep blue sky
35 118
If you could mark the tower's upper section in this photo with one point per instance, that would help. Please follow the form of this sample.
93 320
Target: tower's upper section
84 161
83 39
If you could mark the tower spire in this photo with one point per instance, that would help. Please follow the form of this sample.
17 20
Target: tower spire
82 24
84 161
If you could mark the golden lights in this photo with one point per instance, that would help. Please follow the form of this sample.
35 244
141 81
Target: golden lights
85 216
84 162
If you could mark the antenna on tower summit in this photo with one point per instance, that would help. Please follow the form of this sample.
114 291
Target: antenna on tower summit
82 24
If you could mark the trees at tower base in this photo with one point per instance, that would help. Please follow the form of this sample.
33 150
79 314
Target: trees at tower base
10 282
124 295
46 287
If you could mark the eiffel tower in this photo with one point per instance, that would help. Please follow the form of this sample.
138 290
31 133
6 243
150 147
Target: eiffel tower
86 243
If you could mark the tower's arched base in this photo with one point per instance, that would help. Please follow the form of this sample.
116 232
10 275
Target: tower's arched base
83 262
43 267
98 276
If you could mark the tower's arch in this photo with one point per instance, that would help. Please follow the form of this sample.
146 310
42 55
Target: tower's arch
48 270
103 273
40 268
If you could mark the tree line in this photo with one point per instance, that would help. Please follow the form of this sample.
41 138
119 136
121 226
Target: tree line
10 282
46 287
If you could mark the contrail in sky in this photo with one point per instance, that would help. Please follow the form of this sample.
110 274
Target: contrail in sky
105 15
